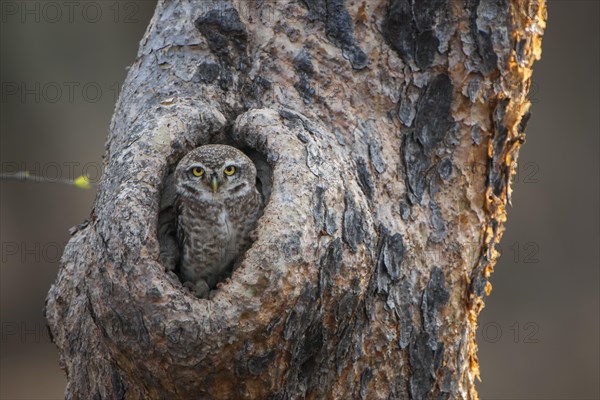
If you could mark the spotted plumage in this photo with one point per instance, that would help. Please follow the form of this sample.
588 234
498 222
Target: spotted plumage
218 206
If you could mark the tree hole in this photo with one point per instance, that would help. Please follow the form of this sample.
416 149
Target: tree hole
172 237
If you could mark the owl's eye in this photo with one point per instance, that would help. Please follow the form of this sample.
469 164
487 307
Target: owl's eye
229 170
198 171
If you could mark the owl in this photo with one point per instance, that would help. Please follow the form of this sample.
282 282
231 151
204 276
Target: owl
218 205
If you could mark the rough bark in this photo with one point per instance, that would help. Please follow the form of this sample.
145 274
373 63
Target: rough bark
391 128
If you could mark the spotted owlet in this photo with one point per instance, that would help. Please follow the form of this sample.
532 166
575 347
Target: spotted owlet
217 205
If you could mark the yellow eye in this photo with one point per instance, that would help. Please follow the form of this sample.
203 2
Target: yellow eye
229 170
198 171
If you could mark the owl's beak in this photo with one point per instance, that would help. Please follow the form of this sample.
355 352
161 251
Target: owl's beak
214 183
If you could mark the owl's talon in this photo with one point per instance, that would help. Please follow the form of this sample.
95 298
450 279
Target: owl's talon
199 289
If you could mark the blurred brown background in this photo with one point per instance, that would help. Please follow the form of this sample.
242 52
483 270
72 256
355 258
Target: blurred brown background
61 68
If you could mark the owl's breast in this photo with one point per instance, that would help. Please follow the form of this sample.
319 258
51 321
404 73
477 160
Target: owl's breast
214 235
219 234
207 241
228 235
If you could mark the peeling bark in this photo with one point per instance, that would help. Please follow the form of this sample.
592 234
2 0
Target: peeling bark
389 132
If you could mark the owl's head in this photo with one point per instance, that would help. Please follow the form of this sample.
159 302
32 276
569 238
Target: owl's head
214 173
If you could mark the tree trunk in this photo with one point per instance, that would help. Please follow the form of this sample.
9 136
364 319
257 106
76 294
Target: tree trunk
391 128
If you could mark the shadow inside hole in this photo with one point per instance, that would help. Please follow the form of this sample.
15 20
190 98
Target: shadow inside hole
170 248
264 173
